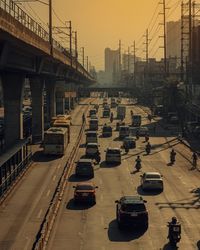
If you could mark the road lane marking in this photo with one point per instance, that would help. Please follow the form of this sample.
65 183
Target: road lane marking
59 166
27 243
54 177
39 214
48 192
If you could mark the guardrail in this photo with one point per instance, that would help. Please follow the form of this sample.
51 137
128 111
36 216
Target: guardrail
47 224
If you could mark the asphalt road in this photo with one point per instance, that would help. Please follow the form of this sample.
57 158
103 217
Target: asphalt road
85 227
23 211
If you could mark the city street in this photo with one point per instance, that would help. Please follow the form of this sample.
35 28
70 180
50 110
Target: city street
95 227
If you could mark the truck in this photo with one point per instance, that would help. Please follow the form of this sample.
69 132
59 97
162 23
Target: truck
121 112
136 120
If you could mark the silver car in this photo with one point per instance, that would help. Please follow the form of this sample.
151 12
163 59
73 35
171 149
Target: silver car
151 180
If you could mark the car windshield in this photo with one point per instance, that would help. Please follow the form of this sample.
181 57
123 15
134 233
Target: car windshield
84 164
113 151
107 129
133 207
124 128
91 135
91 146
84 187
153 176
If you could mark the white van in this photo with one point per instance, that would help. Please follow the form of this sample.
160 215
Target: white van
91 136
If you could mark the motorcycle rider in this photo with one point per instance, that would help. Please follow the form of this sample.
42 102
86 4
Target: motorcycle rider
138 163
146 137
174 230
194 159
126 147
97 157
83 118
172 156
111 117
137 135
131 112
148 148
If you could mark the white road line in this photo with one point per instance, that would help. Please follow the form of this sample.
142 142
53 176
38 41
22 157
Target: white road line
48 192
59 166
39 214
27 243
54 177
102 220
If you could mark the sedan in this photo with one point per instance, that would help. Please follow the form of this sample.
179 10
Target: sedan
85 192
129 142
151 180
143 131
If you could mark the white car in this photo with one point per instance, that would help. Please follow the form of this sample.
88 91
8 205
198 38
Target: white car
113 155
151 180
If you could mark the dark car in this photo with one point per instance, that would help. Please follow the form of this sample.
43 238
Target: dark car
84 167
106 131
131 211
85 192
129 142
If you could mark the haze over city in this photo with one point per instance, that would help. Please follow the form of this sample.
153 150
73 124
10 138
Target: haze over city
100 24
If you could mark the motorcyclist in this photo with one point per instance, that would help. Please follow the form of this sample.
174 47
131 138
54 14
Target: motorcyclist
131 112
146 137
172 156
111 117
194 159
98 157
137 135
126 148
149 117
174 230
83 118
138 163
148 148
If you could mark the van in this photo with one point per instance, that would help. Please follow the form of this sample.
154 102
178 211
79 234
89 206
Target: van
113 155
84 167
91 136
107 131
93 124
124 131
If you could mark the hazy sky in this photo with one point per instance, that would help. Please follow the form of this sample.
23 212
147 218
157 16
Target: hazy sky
101 23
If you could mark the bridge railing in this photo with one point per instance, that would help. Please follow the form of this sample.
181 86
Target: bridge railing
22 17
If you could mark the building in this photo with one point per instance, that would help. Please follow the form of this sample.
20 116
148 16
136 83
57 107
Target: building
173 39
111 65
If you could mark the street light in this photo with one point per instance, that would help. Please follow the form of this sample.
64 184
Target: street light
50 19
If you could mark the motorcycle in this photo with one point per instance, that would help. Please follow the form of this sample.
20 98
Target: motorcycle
148 149
172 158
98 158
138 165
146 138
174 233
126 149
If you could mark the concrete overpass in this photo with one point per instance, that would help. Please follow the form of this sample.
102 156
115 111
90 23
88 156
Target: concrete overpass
25 52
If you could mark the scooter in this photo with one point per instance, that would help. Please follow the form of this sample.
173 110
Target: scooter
172 158
138 165
174 234
148 150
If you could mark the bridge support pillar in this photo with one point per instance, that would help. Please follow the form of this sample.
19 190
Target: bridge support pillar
37 93
60 103
50 99
13 86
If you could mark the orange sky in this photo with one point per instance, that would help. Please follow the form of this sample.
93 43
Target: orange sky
101 23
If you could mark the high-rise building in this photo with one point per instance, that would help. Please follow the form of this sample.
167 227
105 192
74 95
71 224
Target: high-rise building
111 65
173 39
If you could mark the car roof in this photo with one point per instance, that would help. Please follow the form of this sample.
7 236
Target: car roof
85 184
91 132
145 128
85 160
129 138
149 173
132 199
92 144
113 148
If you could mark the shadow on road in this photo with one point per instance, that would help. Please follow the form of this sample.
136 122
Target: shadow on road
74 178
149 192
104 164
169 247
39 156
71 205
125 235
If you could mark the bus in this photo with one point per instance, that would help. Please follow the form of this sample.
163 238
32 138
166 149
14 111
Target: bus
56 140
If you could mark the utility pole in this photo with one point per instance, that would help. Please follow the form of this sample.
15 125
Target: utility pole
164 33
50 28
120 59
147 47
134 58
87 63
76 49
128 60
70 40
83 56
